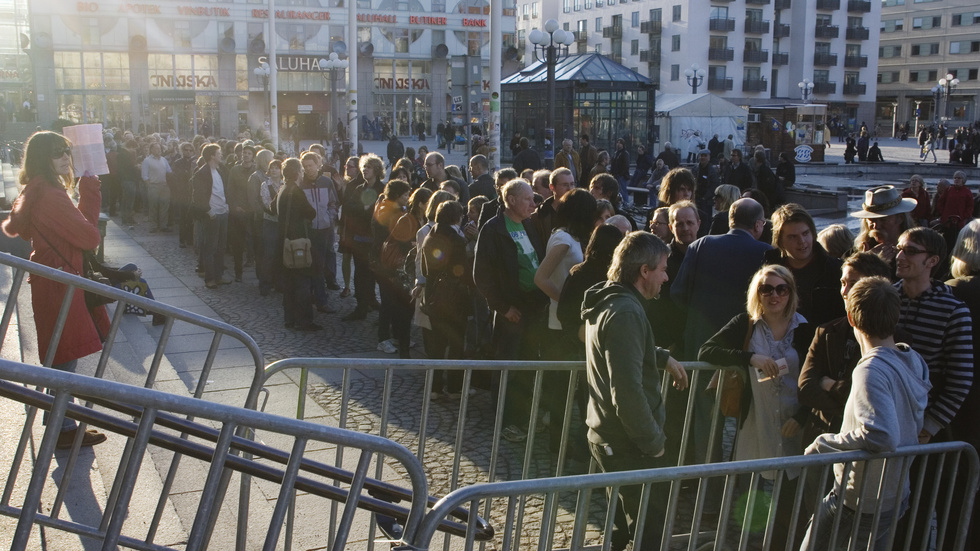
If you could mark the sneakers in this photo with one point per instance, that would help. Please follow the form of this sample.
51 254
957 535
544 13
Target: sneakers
91 438
387 347
513 433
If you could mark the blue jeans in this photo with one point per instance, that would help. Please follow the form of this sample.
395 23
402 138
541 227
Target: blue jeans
831 508
214 237
624 190
322 242
67 423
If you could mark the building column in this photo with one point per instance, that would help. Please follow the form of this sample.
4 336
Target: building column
227 104
438 82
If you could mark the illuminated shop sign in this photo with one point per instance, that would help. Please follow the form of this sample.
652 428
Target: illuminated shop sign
183 81
293 14
376 18
401 83
294 63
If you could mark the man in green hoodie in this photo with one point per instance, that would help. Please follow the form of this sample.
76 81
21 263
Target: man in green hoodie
626 410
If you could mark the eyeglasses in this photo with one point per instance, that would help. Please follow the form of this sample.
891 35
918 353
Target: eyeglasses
61 152
910 251
656 223
781 290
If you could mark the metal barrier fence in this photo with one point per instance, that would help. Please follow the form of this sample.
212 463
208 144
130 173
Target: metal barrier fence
20 267
464 441
569 519
152 418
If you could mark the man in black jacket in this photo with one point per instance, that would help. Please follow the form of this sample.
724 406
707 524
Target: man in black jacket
212 210
482 179
526 158
396 150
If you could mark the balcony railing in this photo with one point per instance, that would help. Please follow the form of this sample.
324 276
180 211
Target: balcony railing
756 27
650 56
754 85
651 27
758 2
858 6
828 5
780 59
721 54
855 89
723 1
855 61
581 36
721 24
614 31
825 60
755 56
618 58
720 84
781 30
782 4
857 33
824 87
826 31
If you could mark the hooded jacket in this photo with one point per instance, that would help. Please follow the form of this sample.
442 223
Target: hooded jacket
889 393
626 407
44 215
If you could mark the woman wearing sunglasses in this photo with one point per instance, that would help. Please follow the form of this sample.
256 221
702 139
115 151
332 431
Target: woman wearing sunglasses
769 342
59 231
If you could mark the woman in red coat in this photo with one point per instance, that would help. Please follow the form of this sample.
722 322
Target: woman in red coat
59 231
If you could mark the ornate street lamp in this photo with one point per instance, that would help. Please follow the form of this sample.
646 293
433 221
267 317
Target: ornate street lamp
947 86
695 76
937 92
332 64
806 87
263 72
550 47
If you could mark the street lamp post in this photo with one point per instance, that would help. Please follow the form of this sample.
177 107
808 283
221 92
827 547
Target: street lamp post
263 72
806 87
332 64
552 44
947 86
936 93
918 107
695 76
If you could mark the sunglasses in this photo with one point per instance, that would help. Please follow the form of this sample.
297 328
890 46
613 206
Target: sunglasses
61 152
781 290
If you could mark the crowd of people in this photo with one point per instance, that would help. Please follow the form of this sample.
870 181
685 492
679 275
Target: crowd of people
545 265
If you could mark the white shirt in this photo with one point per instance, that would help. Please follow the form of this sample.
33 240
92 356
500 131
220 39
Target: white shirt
155 170
217 203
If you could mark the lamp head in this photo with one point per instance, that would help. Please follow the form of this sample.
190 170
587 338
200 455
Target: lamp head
536 37
558 36
551 26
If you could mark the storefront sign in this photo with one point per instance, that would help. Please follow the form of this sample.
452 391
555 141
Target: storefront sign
294 63
172 97
401 83
376 18
145 9
293 14
9 74
304 109
203 12
474 22
183 81
426 20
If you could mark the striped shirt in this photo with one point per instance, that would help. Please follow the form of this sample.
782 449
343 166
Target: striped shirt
941 330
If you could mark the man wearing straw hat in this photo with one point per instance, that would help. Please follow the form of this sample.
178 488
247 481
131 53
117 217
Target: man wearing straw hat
885 214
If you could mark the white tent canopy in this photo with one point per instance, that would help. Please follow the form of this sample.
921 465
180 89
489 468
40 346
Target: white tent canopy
681 115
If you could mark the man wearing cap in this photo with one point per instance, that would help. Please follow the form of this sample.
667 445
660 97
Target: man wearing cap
706 176
886 215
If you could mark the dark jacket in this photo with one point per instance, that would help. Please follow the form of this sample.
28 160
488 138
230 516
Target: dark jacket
483 185
495 268
740 176
620 164
787 171
527 158
444 260
543 219
964 425
295 212
201 193
669 158
396 150
817 284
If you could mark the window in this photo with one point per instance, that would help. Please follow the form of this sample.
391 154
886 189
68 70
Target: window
534 9
716 72
675 43
656 14
965 19
958 73
963 47
582 25
675 72
851 77
823 20
566 7
719 12
892 25
718 42
588 4
923 1
753 15
751 73
598 3
972 74
821 75
677 13
598 49
527 10
635 19
753 44
926 22
852 50
565 26
598 24
855 22
578 5
634 47
922 76
822 48
889 77
886 3
928 49
890 51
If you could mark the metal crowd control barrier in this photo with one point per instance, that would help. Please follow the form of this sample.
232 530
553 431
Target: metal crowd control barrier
20 267
568 517
153 418
472 435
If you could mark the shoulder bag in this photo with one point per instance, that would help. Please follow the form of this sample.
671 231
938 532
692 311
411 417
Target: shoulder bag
734 385
296 252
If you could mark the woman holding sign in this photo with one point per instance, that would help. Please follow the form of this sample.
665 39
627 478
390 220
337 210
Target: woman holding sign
59 232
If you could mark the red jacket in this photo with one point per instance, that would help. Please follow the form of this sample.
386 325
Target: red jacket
956 202
44 209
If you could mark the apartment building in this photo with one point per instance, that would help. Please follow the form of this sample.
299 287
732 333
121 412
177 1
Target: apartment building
923 41
752 52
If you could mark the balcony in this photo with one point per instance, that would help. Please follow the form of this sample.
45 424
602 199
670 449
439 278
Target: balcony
618 58
826 31
824 87
721 54
858 6
721 25
756 27
758 2
825 60
754 85
755 56
614 31
855 61
781 30
857 33
828 5
780 59
782 4
651 27
855 89
720 84
650 56
581 36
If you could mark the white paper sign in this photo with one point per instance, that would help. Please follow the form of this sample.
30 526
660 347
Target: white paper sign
87 149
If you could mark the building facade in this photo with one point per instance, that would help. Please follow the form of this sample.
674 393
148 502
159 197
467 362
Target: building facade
16 77
752 52
922 42
190 66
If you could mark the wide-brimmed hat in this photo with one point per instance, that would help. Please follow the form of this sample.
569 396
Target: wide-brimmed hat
884 201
